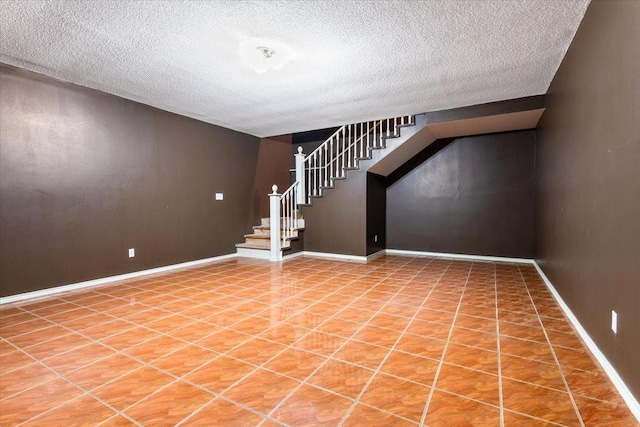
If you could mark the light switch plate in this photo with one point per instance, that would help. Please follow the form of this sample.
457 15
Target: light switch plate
219 196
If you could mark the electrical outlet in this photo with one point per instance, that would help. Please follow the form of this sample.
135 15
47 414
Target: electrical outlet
614 321
132 253
219 196
375 238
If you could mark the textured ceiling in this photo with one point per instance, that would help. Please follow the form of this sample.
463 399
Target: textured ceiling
352 60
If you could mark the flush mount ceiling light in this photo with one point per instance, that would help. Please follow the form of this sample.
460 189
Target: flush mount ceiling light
264 55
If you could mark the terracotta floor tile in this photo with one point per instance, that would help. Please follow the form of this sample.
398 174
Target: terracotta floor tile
284 333
194 331
469 383
429 315
377 336
225 318
560 325
435 330
45 333
133 387
515 419
446 410
575 359
528 349
82 411
471 357
310 407
117 421
71 315
219 374
223 340
35 401
399 397
593 384
517 318
15 359
598 413
340 377
523 332
252 325
262 390
222 413
184 360
256 351
318 342
129 338
77 358
474 339
366 355
421 346
542 402
103 371
398 310
104 330
363 415
532 371
154 348
169 405
389 321
168 324
21 379
411 367
341 327
57 345
295 363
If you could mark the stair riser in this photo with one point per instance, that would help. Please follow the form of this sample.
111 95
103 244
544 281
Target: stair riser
267 232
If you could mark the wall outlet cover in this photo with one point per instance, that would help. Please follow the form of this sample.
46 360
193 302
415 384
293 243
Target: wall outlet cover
219 196
132 253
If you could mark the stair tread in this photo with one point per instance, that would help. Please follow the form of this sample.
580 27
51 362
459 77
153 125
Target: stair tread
257 246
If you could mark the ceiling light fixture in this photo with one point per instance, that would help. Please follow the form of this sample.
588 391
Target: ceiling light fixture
256 54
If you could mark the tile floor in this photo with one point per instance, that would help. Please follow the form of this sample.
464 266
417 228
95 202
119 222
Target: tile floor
398 341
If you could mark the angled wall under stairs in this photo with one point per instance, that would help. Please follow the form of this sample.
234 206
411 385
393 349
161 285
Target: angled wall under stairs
351 219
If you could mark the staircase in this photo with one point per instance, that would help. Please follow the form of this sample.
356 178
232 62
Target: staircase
260 239
316 173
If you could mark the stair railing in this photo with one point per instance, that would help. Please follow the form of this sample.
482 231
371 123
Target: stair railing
319 170
283 221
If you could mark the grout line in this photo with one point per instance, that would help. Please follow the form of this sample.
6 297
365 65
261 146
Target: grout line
553 353
500 392
444 350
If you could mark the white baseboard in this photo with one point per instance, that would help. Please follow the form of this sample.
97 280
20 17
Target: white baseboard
376 254
253 253
105 280
611 372
336 256
459 256
293 255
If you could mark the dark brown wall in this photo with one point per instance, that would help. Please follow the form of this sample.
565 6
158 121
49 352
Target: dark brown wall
588 181
337 222
84 176
475 196
274 162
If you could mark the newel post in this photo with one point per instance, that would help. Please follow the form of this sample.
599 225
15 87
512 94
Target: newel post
300 194
274 224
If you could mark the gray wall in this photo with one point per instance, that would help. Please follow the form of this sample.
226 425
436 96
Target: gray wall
474 196
588 181
85 175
